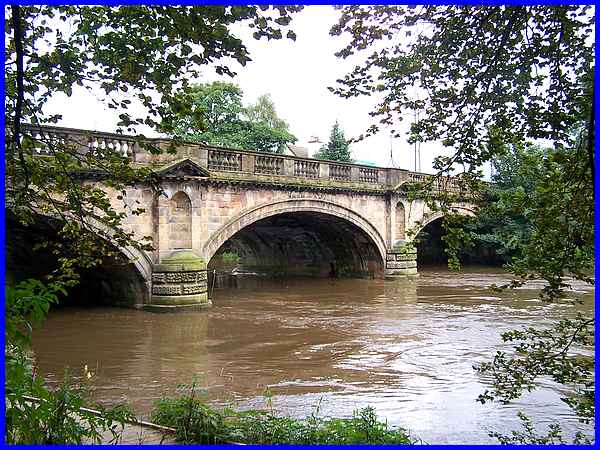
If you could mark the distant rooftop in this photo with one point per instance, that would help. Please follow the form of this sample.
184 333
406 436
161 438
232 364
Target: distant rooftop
296 150
362 162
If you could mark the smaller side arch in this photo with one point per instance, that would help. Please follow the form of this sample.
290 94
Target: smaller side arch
139 258
134 271
462 210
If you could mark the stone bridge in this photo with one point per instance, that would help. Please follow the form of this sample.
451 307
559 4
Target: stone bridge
259 212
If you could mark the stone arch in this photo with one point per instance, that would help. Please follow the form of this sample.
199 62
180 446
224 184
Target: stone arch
180 222
463 210
140 261
249 216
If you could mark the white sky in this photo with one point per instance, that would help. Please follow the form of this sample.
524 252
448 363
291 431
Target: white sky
296 75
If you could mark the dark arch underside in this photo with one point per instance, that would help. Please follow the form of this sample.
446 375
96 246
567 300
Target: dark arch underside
300 243
430 248
110 283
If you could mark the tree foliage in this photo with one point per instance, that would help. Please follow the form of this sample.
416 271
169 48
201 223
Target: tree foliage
263 111
477 74
554 201
124 55
487 81
537 197
337 148
215 115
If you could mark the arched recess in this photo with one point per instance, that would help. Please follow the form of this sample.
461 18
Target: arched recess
253 215
128 283
400 221
180 222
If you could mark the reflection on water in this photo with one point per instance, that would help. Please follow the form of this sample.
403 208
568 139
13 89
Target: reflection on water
405 347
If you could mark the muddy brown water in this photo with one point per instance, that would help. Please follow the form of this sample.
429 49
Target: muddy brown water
407 348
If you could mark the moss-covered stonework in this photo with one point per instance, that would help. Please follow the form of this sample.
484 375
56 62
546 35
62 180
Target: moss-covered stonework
179 282
401 260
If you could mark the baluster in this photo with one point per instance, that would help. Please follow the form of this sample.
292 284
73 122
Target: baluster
36 142
95 145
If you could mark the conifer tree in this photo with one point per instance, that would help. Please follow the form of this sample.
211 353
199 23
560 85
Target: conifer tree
337 149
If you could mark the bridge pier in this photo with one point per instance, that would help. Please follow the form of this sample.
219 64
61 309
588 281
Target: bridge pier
179 282
401 260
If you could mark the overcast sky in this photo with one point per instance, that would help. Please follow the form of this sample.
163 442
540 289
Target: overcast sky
296 75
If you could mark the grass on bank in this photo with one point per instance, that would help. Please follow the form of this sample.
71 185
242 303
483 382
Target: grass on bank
198 423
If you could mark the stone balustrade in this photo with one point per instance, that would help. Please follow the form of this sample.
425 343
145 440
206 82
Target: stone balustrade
446 183
268 165
306 169
44 138
225 160
367 175
339 172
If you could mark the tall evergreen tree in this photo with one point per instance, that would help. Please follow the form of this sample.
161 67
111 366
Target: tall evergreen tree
338 148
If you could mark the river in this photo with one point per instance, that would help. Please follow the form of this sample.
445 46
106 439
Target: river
406 347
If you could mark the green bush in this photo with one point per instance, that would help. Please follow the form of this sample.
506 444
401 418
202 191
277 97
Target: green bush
198 423
33 413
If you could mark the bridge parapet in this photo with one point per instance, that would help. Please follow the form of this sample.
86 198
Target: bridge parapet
438 183
231 161
83 141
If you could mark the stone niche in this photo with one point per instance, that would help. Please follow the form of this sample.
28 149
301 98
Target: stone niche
401 260
179 282
180 222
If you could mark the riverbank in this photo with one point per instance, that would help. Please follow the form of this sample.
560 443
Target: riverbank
198 423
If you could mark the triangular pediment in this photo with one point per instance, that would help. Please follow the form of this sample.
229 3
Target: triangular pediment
183 168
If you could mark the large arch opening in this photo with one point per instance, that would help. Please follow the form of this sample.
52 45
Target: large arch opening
113 282
300 243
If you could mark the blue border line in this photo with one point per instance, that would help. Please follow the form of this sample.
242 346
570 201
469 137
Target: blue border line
596 221
3 240
596 193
